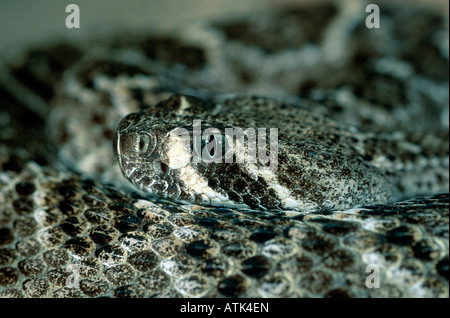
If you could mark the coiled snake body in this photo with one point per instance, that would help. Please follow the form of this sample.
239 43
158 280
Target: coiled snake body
361 176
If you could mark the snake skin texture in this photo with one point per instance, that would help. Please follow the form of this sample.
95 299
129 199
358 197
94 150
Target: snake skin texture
319 165
364 112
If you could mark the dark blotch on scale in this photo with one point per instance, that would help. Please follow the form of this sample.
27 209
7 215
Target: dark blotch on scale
143 261
69 208
262 235
256 266
25 188
80 245
200 249
23 206
103 234
6 236
8 276
442 268
72 226
98 215
232 286
402 235
127 223
7 256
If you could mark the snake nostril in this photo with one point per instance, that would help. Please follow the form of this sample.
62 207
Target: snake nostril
164 167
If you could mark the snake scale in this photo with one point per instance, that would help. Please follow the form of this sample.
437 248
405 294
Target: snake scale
99 199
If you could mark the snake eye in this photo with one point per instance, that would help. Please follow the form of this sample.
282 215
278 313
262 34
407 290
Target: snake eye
211 143
145 144
210 147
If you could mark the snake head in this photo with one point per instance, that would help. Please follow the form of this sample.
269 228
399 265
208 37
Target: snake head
155 153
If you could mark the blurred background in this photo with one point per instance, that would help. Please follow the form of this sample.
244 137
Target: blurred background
31 22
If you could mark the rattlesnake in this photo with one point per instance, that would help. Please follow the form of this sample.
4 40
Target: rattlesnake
364 112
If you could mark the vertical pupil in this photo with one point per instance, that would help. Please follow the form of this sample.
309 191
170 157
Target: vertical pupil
212 149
